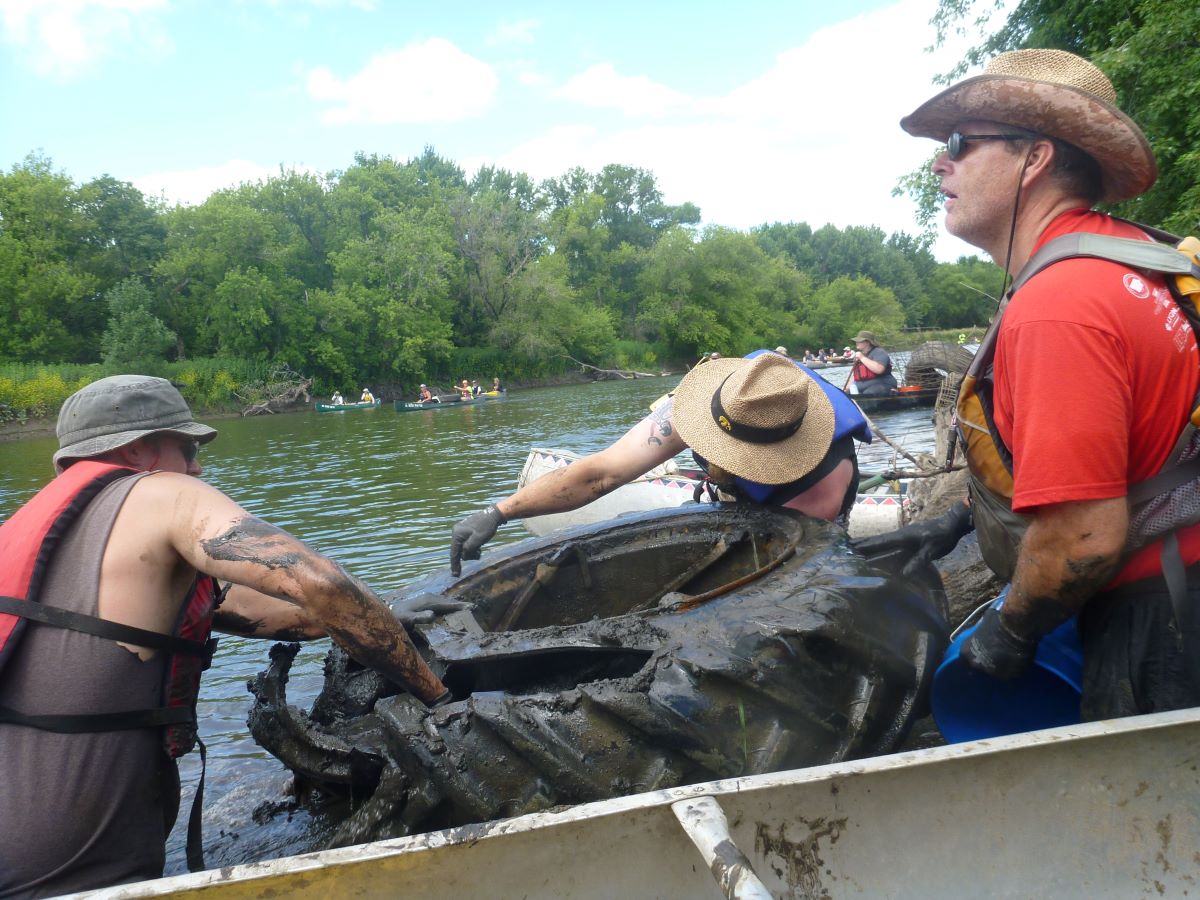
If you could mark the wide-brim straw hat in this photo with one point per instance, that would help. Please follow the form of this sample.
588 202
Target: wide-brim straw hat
1053 93
116 411
763 419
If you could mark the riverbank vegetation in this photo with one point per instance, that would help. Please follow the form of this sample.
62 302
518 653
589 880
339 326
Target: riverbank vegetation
389 273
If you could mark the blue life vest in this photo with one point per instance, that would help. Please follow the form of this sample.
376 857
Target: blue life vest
848 422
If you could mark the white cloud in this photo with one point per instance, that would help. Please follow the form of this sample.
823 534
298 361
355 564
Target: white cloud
601 86
814 138
513 33
193 186
429 82
64 38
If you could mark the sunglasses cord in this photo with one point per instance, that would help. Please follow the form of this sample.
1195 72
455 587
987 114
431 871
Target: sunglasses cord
1012 231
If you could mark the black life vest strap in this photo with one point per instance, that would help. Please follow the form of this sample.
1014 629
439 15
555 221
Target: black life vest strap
88 723
195 837
113 631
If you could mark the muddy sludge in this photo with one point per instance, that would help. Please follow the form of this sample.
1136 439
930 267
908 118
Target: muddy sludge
656 650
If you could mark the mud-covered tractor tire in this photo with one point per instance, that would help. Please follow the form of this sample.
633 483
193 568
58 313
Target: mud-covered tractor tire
657 650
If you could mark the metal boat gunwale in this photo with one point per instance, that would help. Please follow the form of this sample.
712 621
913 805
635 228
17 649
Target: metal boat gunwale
1042 757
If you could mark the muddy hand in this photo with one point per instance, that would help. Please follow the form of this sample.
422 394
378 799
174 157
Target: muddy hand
469 536
995 649
922 542
422 608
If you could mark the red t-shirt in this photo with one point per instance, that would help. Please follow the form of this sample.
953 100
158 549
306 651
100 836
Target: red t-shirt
1096 370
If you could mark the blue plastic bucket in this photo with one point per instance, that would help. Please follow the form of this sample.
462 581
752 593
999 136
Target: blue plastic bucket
969 705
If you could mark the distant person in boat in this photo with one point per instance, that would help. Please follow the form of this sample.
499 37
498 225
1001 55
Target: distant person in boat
464 390
872 366
96 702
367 396
426 395
476 390
1032 145
763 428
337 399
497 386
781 350
809 357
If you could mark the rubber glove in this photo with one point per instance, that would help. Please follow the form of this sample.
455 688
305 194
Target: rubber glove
921 542
469 536
422 608
995 649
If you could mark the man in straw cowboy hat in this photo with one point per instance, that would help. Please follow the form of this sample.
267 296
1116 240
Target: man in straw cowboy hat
1081 387
109 595
763 427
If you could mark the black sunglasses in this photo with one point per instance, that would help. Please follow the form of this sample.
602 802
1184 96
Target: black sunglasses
956 145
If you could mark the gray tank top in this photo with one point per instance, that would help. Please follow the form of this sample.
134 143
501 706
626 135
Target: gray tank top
81 811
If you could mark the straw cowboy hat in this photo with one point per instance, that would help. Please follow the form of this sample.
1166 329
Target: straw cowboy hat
1053 93
763 419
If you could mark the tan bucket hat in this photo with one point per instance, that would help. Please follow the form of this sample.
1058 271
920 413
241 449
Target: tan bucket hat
117 410
763 419
1055 93
868 336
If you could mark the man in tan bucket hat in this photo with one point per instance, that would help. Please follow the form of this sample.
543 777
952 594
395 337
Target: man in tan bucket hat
107 599
764 428
1081 387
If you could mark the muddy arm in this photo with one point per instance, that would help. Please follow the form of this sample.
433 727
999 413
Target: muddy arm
248 613
216 536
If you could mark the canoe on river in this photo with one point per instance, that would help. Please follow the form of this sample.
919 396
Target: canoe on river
1107 809
345 407
669 485
444 403
659 650
905 398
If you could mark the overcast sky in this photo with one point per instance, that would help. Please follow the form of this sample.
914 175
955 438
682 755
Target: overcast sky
755 111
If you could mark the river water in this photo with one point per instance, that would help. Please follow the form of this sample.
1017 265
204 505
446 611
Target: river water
379 491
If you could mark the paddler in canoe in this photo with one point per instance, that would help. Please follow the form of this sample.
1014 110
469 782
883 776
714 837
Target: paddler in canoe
763 428
872 371
424 395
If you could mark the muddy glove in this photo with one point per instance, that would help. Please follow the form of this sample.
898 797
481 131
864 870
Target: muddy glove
422 608
471 534
995 649
922 542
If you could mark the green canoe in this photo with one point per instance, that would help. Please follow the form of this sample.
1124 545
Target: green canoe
342 407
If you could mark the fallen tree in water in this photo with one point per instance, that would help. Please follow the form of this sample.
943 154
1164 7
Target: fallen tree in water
613 373
281 389
657 650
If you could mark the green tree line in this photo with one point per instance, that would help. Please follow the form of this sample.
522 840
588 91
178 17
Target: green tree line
393 272
1149 49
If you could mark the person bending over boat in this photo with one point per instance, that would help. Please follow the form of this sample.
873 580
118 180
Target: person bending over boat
426 395
764 428
872 366
107 599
